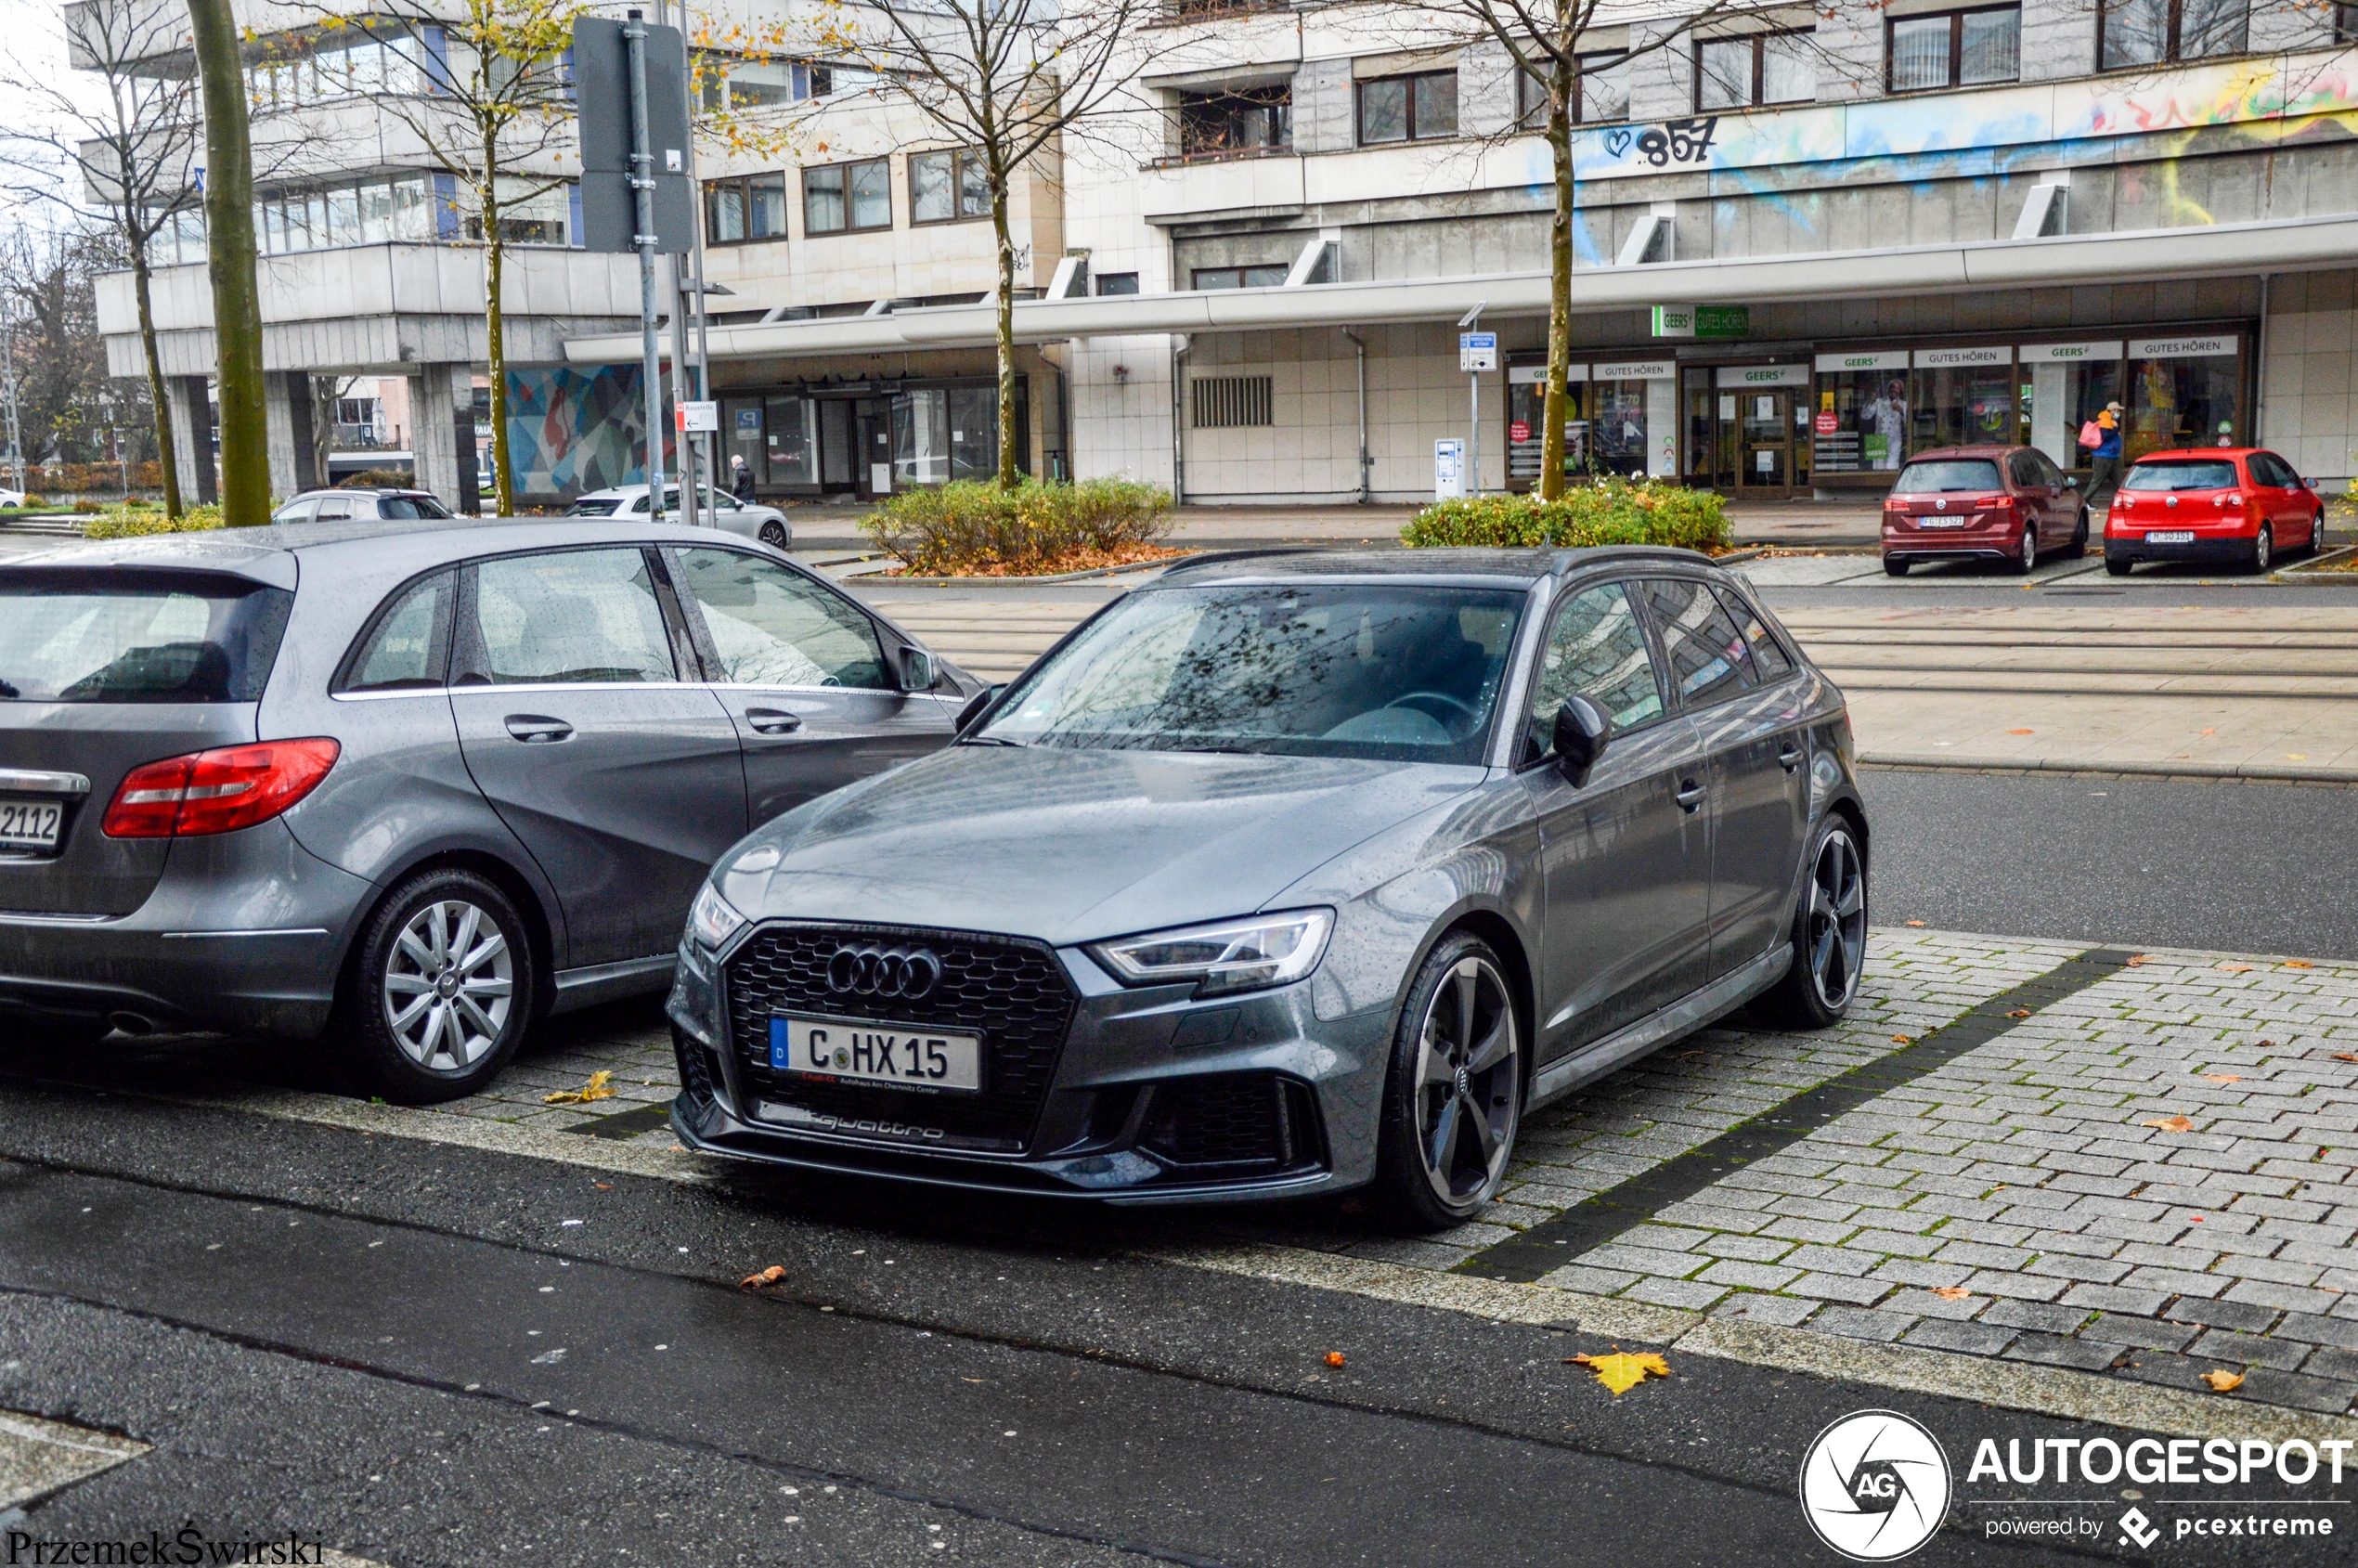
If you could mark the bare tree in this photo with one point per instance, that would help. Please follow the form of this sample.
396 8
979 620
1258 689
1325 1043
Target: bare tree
1552 46
1006 79
499 120
46 278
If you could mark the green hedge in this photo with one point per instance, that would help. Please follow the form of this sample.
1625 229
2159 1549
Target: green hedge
130 522
969 525
1610 511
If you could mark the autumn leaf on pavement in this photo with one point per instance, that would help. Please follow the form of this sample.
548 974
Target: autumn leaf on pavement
2136 959
594 1090
1901 1039
2224 1077
2344 1057
2299 964
2169 1123
2224 1383
2022 731
1620 1371
769 1276
2236 969
1334 1359
1915 922
1950 1293
2019 1013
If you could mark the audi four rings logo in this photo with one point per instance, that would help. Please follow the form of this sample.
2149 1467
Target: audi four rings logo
883 971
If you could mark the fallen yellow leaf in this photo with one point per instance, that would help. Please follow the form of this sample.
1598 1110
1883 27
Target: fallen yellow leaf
2299 964
2236 969
2135 959
1901 1039
1915 922
769 1276
2344 1057
594 1090
2170 1123
1622 1372
2224 1077
2224 1383
2022 731
2019 1013
1950 1293
1334 1359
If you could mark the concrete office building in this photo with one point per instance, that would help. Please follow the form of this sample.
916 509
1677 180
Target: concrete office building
1916 225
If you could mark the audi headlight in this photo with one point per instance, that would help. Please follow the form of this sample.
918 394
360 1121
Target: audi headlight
1229 955
711 920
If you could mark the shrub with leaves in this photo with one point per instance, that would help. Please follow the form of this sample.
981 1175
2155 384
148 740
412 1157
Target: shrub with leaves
1607 511
969 528
126 522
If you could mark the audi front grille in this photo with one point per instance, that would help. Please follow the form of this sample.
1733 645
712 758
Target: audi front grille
1011 991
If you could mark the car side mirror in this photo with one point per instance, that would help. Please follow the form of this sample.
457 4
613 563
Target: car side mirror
976 703
916 670
2070 482
1582 730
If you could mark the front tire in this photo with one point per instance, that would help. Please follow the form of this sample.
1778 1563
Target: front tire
2078 545
1453 1098
1829 936
441 990
773 533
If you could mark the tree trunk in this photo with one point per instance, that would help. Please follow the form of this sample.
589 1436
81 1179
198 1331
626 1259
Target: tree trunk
157 396
237 305
495 263
1558 407
1005 334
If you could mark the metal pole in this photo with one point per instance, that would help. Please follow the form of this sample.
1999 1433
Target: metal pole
1472 485
642 185
691 494
9 352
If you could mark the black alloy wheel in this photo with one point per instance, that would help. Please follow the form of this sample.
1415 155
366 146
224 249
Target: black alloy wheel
774 533
1454 1098
1829 936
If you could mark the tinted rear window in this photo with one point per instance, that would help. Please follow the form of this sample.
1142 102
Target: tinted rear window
129 635
1955 473
2211 475
603 508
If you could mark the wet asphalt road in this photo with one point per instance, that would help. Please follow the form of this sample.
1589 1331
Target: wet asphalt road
294 1314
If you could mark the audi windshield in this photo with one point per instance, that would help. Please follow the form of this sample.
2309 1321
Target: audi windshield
1383 672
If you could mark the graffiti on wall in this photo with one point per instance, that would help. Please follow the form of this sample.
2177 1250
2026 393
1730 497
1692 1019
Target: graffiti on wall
2254 92
571 432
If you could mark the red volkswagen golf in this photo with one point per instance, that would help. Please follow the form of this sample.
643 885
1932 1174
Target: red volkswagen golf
2234 506
1994 503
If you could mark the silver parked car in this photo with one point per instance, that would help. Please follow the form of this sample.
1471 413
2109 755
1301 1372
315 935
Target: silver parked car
1291 874
751 519
430 780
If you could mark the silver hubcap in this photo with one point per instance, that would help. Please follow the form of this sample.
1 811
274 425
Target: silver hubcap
2260 550
1468 1059
2029 549
1837 929
448 986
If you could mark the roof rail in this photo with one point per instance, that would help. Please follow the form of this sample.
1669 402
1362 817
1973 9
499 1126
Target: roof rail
1218 557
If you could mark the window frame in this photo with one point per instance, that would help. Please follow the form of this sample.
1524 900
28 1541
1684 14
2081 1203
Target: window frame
1408 108
1632 595
1195 275
470 665
1956 20
1262 99
1532 114
742 184
1759 42
1747 675
2173 51
444 634
959 158
849 227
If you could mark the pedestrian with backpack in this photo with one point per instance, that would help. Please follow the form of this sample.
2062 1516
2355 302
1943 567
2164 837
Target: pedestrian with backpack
2101 437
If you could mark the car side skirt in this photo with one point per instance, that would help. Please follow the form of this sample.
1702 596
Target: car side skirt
1691 1012
611 983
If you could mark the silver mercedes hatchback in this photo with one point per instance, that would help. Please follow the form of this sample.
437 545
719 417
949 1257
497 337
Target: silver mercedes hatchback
423 780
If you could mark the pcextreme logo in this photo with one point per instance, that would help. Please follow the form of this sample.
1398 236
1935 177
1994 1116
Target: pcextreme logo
1875 1485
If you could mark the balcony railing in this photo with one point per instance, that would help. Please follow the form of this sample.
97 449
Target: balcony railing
1173 13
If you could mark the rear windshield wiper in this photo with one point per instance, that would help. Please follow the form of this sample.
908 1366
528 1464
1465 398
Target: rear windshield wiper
9 692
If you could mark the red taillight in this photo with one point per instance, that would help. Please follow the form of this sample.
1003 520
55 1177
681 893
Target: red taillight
217 791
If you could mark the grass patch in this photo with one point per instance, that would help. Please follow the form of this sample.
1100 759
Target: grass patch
971 529
1607 511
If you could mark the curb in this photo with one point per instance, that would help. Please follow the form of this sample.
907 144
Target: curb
2309 571
1060 577
2208 772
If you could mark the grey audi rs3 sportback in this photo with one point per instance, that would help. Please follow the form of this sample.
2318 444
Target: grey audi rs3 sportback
1291 873
426 779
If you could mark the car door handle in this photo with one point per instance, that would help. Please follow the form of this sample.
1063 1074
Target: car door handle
538 728
772 721
1689 795
1790 758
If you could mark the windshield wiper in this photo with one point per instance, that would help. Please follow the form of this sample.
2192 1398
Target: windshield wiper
9 692
988 739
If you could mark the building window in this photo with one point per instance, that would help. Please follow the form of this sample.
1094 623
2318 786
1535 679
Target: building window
1755 69
1600 94
316 71
1237 277
738 209
1247 120
1226 402
848 197
2135 33
724 83
1415 107
1122 282
378 213
1955 49
2346 24
947 187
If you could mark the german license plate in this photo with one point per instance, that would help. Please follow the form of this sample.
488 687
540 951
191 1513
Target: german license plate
2176 536
1940 521
877 1053
30 825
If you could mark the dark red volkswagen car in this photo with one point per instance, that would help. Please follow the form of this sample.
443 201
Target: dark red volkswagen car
1991 503
2234 506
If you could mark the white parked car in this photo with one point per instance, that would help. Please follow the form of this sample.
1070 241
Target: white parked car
749 518
347 504
11 498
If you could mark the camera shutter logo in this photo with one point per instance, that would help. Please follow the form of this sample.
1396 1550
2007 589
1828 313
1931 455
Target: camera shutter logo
1875 1485
908 974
